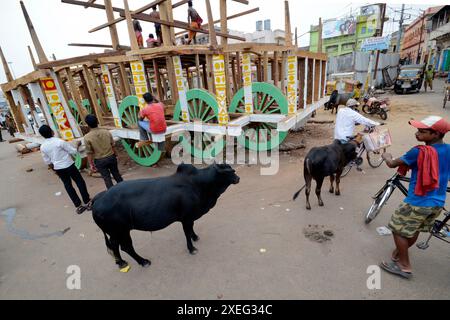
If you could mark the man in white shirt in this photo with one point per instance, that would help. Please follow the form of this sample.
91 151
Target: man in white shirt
57 154
346 120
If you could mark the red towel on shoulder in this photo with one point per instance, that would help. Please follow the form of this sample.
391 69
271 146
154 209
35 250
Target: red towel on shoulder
428 170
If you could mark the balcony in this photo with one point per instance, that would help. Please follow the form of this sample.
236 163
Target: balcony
442 31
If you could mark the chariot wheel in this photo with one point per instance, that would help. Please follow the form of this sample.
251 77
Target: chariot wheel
267 99
203 108
129 113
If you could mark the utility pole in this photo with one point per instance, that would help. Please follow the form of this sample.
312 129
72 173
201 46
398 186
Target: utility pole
420 39
400 29
380 34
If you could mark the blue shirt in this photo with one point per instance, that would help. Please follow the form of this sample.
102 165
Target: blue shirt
435 198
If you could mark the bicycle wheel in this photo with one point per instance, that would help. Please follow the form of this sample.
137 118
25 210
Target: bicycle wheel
374 158
377 205
445 100
347 169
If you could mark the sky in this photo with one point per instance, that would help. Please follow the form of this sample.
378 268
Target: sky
58 24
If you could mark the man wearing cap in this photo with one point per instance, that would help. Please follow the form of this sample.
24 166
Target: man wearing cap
430 165
346 120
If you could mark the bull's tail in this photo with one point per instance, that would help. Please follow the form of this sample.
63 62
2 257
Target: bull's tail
298 193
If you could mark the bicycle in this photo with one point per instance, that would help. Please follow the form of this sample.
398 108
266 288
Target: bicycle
374 158
440 228
446 94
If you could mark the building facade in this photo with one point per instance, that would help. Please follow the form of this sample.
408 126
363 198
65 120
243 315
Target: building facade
439 45
367 24
415 42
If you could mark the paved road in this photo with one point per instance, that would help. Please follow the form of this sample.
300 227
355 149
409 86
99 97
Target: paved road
254 215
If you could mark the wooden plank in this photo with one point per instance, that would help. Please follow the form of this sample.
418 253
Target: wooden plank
122 12
168 4
89 2
178 4
241 1
112 28
76 94
287 29
33 62
301 83
91 89
276 69
96 45
310 81
31 77
131 33
317 64
37 44
266 66
324 78
124 78
209 73
79 60
223 21
233 72
320 42
212 31
172 79
89 5
283 72
101 91
158 80
197 68
8 73
164 28
17 116
205 77
239 71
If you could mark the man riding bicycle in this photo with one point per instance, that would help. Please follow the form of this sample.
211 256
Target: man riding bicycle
346 120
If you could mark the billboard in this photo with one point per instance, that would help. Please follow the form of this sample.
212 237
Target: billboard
376 43
372 10
335 28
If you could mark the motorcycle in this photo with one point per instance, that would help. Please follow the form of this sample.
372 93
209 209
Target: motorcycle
376 106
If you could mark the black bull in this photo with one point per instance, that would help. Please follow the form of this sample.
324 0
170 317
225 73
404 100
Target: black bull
154 204
337 99
326 161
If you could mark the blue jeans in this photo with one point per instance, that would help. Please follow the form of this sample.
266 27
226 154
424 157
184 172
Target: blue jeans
144 130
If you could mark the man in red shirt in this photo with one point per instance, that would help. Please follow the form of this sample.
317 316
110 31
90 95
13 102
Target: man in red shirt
156 121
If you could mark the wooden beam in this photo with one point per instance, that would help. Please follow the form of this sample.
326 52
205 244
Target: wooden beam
17 115
79 60
228 18
168 5
287 29
75 94
112 28
164 28
197 68
89 2
276 73
212 31
91 88
241 1
33 62
320 43
283 71
122 12
31 77
37 44
131 33
178 4
223 21
8 73
158 80
95 45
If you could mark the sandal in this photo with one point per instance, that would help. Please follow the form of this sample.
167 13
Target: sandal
89 206
394 268
81 209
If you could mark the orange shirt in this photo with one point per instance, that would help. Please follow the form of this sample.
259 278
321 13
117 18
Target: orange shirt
154 112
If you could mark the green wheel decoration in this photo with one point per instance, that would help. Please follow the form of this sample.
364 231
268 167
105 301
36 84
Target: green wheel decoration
129 113
87 105
203 107
75 112
267 99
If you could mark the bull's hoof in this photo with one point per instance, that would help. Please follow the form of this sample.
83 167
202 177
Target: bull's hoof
195 238
146 263
321 204
332 190
193 251
308 207
338 193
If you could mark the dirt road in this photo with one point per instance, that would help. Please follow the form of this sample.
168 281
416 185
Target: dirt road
253 245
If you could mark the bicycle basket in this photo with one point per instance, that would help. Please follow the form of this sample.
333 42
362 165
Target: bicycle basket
379 139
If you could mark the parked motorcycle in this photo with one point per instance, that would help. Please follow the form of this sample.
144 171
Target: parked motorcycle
376 106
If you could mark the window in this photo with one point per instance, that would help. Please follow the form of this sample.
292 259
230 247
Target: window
363 30
332 49
370 31
348 46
